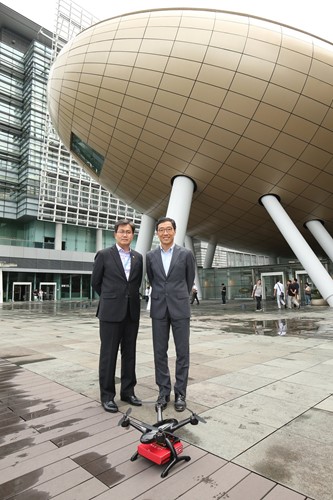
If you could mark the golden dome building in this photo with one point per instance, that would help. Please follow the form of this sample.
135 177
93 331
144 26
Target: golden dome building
220 120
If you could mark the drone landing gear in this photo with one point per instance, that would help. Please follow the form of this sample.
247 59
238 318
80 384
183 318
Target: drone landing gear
168 453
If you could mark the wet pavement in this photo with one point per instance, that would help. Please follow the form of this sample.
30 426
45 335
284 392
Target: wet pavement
262 380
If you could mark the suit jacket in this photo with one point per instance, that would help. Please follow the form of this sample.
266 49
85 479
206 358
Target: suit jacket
171 291
116 292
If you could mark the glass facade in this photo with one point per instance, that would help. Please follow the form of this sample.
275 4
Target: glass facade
42 187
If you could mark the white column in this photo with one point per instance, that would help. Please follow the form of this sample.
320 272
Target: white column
209 257
180 205
58 236
300 247
144 240
325 240
99 239
190 246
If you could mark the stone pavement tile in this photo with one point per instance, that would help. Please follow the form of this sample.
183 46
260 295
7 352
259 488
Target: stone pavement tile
324 368
201 372
326 404
83 491
229 364
210 394
310 379
86 442
33 358
264 409
225 434
268 371
241 381
288 391
281 493
29 452
142 475
112 443
314 423
185 479
233 483
287 363
52 487
54 406
13 487
299 462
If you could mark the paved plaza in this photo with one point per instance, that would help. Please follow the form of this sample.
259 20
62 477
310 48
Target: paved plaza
263 381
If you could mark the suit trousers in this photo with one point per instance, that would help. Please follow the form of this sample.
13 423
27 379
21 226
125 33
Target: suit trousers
181 336
113 335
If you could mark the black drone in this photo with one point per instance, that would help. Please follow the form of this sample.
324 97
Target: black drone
158 442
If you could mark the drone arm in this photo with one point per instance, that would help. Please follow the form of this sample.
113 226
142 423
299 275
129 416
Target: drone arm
138 427
180 424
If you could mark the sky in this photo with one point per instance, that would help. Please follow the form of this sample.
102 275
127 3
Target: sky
315 17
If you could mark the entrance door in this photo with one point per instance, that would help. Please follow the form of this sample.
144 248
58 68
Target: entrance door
49 290
21 291
302 278
268 281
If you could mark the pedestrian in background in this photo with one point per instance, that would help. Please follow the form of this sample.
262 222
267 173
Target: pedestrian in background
223 292
307 294
257 294
279 294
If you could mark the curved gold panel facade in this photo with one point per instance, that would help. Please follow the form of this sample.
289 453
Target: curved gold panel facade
241 105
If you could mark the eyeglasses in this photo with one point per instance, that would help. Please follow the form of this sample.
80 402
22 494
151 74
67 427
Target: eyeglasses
162 230
124 232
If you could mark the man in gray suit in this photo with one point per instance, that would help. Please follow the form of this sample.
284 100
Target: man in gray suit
116 277
171 272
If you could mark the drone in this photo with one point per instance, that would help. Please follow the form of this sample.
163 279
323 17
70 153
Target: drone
158 442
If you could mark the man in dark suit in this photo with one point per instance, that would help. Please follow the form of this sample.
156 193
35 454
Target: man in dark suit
116 277
171 273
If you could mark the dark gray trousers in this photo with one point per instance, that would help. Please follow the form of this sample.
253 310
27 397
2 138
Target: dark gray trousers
181 337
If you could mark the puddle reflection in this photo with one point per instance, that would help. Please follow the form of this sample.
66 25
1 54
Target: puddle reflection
282 326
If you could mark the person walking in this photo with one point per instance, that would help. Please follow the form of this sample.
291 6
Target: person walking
294 289
171 273
116 278
289 294
279 294
307 294
194 295
223 292
257 294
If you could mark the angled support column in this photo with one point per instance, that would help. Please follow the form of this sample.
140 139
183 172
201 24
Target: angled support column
190 246
300 247
144 240
209 257
180 204
320 233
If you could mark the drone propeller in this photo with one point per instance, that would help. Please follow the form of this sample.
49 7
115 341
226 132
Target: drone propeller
197 417
124 419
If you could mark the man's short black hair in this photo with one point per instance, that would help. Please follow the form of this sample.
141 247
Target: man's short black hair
165 219
124 222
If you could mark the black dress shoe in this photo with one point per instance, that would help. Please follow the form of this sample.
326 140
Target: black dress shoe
132 400
162 401
110 406
180 403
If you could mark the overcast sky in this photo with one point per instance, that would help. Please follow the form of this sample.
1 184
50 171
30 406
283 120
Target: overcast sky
312 16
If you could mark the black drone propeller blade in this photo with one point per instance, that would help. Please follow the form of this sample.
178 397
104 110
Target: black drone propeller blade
124 417
195 415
